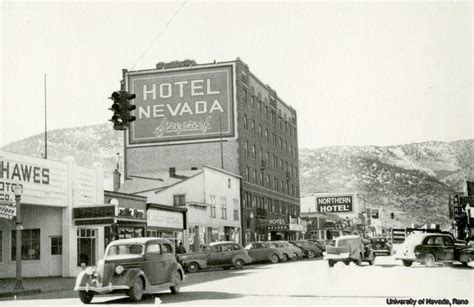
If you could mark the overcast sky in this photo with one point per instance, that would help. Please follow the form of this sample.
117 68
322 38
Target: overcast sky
377 73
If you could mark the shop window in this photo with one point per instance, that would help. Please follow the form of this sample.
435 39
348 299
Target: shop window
236 209
86 246
213 205
56 245
224 208
179 200
126 232
30 244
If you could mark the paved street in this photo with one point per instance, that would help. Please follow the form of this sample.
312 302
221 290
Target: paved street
295 283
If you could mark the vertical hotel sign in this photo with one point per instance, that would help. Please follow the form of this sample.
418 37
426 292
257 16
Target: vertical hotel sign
181 105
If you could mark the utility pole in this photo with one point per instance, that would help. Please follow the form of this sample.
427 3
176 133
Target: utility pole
45 121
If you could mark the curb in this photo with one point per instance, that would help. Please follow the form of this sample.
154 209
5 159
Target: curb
24 292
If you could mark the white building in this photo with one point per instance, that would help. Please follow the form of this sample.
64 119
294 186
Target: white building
51 190
211 196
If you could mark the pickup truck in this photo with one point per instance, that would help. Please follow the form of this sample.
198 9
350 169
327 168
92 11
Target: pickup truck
349 248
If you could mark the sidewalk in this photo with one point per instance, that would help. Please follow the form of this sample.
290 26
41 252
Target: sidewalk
35 285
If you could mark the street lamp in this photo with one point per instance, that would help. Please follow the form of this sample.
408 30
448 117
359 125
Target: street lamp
18 190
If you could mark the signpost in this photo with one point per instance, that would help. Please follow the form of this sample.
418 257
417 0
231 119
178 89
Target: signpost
7 210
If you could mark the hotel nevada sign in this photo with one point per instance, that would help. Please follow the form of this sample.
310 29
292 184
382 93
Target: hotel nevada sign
181 105
334 204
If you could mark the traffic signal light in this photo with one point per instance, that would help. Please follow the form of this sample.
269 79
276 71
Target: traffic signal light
128 107
122 108
392 215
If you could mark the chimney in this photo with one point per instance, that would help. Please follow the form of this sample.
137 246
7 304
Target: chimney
172 172
194 168
116 180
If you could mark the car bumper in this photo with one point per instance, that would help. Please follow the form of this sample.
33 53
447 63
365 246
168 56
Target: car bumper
381 251
99 288
336 257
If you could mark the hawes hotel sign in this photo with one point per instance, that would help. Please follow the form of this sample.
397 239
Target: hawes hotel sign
181 105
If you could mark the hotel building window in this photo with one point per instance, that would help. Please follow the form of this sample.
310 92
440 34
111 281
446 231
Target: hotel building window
179 200
236 209
213 205
224 208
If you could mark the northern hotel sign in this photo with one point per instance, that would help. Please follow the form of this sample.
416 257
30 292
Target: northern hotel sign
334 204
181 105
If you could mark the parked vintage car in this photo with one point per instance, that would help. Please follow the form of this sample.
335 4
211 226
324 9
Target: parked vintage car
297 252
132 266
349 248
429 248
288 254
320 244
263 252
217 254
310 250
381 246
466 255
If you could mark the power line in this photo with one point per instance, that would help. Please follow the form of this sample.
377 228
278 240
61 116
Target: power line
159 34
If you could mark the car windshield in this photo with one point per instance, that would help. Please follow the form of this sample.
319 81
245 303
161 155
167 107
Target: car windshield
125 249
346 242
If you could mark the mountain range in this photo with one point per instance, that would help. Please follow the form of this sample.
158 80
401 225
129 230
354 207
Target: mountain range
413 181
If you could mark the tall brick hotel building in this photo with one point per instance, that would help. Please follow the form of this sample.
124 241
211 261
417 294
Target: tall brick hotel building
220 114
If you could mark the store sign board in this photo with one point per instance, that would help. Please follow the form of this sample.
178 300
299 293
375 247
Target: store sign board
94 212
165 219
131 213
44 182
278 227
334 204
7 210
181 105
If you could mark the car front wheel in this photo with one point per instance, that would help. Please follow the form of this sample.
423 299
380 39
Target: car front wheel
86 297
407 263
239 264
274 258
136 292
295 256
193 267
176 283
310 254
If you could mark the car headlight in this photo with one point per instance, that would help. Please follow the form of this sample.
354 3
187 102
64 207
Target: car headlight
119 269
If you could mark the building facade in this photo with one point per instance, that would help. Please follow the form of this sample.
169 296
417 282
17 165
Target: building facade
51 242
210 197
220 115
